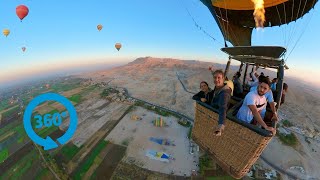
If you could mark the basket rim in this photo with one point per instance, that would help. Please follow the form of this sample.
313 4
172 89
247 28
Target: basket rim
230 117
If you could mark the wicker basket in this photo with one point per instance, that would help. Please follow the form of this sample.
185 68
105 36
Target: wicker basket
239 146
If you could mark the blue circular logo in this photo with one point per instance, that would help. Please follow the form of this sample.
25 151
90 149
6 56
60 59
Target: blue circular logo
48 143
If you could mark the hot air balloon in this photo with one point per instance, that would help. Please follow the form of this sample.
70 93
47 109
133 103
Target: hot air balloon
22 11
99 27
240 144
23 49
118 46
236 20
6 32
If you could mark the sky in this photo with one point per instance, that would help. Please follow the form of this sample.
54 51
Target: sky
60 34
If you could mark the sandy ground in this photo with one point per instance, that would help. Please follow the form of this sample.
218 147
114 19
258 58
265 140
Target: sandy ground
137 133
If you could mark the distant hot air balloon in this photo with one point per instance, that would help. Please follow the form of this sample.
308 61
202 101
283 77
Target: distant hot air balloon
99 27
23 49
6 32
22 11
118 46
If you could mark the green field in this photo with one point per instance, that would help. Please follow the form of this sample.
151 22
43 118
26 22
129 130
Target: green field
4 154
75 98
15 127
4 104
8 127
88 90
94 175
69 151
21 139
18 127
10 112
21 166
44 174
90 159
66 86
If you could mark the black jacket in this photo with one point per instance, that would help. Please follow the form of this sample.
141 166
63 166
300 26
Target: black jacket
201 94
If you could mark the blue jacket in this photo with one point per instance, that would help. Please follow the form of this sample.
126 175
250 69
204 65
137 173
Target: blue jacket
220 101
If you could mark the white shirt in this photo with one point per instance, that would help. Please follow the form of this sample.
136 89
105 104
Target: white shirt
252 98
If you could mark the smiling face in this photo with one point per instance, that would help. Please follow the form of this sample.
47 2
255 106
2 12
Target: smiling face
204 87
218 79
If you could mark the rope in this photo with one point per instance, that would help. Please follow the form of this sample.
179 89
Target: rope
290 32
305 28
297 15
295 27
285 21
224 29
280 23
225 7
198 26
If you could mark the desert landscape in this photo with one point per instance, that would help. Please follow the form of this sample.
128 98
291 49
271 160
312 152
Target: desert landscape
171 83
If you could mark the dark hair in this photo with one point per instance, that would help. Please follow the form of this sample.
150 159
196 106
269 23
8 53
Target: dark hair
285 86
275 79
261 77
204 82
264 80
219 71
238 74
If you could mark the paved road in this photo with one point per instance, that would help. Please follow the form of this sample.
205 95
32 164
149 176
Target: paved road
184 85
279 169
